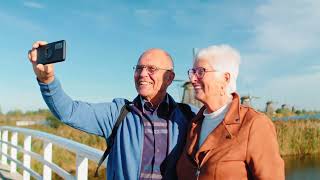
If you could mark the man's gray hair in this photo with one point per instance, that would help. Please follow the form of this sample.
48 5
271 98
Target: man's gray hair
222 58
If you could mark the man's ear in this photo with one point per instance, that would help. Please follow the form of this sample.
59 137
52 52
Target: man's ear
170 76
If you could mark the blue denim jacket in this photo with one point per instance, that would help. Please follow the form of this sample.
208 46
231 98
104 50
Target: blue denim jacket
98 118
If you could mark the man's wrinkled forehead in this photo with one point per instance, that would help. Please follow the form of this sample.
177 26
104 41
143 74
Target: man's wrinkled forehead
156 57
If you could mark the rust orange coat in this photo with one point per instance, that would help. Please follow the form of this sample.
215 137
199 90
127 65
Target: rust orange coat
243 146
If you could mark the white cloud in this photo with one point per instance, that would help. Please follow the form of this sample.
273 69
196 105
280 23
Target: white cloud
34 5
280 60
315 68
148 17
301 90
9 20
99 17
286 26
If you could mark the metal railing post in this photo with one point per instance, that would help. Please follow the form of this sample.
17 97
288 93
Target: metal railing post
47 172
13 154
4 147
81 167
26 157
0 143
83 154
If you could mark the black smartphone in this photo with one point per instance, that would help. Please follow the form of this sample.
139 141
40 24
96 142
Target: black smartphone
52 53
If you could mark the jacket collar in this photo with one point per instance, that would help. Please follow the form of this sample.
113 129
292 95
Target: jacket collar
166 107
220 136
231 117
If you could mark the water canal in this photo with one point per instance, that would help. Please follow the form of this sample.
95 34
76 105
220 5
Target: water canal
302 168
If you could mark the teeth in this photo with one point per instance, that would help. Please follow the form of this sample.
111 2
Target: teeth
196 86
144 83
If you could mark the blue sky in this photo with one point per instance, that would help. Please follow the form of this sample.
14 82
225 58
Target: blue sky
277 39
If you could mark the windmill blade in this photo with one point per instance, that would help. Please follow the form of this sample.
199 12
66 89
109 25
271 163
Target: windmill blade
254 97
273 102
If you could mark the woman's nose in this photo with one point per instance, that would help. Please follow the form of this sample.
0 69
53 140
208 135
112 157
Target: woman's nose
193 78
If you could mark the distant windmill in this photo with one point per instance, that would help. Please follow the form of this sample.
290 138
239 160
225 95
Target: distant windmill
247 100
188 95
188 91
270 110
178 83
285 107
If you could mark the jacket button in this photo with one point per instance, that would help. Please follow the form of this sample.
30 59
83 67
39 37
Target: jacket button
228 136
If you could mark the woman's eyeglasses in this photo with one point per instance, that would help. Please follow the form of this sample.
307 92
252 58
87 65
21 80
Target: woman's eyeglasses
199 72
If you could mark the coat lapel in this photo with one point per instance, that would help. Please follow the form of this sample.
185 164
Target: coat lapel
222 137
193 135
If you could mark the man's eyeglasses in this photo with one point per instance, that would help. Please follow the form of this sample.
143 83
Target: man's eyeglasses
150 69
199 72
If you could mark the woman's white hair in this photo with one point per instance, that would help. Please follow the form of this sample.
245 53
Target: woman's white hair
222 58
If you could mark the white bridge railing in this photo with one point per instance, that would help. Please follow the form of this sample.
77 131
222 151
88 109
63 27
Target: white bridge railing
83 153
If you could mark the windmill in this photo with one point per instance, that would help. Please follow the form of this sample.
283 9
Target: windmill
178 84
270 110
247 100
188 91
188 95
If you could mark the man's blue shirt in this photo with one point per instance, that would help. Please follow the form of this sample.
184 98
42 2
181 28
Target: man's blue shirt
99 118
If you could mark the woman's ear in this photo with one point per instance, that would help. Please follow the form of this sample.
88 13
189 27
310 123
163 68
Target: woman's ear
227 77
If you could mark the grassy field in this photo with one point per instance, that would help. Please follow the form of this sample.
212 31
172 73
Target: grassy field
63 157
294 137
298 137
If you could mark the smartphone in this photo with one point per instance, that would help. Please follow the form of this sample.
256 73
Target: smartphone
51 53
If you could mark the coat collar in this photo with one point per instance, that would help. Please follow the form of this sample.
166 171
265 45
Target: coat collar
231 117
220 136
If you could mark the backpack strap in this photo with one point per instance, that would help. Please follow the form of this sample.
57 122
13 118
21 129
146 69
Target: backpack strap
186 111
110 140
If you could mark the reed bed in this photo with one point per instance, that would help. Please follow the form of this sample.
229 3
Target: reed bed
295 137
298 137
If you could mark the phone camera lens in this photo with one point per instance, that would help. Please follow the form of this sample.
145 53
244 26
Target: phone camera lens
48 52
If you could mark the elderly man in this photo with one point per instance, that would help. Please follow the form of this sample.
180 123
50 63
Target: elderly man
226 140
150 138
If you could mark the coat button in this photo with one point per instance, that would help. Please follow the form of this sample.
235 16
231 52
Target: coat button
228 136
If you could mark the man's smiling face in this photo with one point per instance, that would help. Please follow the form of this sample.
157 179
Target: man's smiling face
153 85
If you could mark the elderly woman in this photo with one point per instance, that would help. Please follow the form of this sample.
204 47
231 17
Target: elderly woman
226 140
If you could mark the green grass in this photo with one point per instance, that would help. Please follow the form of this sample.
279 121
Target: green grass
298 137
295 138
62 157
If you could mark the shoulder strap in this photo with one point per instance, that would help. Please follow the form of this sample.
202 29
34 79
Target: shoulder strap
110 140
186 110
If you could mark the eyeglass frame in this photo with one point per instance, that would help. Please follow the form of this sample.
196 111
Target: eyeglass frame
194 72
139 69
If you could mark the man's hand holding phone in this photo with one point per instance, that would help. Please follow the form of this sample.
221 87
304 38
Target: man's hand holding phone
42 55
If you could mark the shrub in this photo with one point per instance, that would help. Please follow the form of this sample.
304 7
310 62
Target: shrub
53 121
